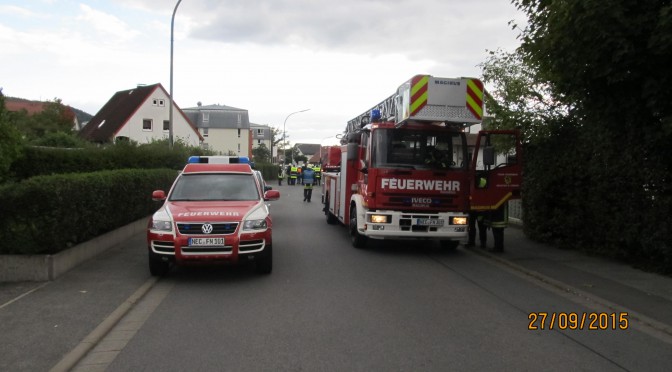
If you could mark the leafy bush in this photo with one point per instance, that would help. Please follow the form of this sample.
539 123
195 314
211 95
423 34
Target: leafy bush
47 214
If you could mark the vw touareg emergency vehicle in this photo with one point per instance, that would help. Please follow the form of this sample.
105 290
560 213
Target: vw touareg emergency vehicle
215 212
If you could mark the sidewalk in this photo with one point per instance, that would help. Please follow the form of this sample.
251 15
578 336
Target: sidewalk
616 285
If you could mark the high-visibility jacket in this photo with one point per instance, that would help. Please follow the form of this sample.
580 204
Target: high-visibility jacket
318 172
293 173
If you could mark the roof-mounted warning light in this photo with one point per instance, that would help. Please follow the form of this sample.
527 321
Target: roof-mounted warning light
218 159
375 115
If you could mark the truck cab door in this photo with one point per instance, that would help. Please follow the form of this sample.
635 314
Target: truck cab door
496 169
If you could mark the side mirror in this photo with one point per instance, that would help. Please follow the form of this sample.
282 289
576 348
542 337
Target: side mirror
488 155
271 195
158 195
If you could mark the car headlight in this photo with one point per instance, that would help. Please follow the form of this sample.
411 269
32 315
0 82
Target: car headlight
162 225
255 225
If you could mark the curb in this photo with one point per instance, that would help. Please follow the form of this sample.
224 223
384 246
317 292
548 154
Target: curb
45 267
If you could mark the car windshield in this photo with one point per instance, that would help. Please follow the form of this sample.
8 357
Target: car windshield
215 186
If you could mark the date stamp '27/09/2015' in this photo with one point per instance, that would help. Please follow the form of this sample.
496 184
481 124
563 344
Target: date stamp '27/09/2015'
598 321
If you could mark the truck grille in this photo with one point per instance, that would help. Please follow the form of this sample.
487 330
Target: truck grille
217 228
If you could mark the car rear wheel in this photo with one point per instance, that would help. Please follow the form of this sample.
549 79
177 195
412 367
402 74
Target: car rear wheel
157 266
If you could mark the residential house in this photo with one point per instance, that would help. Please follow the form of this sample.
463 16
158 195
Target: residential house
34 107
225 129
262 134
308 149
142 115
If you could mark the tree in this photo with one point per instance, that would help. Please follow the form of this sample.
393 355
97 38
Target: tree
609 67
261 154
54 118
10 141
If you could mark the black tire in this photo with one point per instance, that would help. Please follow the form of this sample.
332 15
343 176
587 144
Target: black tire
264 265
157 266
449 245
331 219
358 240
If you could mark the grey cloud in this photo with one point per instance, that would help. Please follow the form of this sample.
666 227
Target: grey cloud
432 29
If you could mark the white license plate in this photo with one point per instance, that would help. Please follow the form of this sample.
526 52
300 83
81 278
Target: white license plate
429 222
199 242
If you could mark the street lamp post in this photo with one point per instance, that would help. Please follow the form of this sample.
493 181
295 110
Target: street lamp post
284 135
170 112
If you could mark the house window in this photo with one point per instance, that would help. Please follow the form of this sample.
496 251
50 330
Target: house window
240 119
259 142
239 147
147 125
205 132
260 132
155 102
238 134
162 103
166 125
206 117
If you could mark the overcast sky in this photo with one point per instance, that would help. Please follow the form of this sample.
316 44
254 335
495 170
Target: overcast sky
337 58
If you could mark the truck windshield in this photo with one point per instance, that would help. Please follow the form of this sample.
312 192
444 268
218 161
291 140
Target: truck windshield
417 149
214 186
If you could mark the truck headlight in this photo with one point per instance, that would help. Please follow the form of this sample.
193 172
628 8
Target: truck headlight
379 218
458 221
255 225
162 225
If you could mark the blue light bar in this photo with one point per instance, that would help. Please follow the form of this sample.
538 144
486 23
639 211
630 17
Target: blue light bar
375 115
219 159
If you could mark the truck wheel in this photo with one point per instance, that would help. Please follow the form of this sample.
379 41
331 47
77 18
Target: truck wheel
157 266
265 263
331 219
358 240
449 245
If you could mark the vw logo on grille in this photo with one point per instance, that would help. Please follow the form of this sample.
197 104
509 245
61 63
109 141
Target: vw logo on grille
206 228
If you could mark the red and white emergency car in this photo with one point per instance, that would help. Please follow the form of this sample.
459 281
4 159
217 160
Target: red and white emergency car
214 213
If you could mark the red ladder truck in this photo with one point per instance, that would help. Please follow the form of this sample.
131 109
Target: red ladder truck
406 170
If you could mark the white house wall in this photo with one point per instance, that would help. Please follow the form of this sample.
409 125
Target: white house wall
225 140
133 129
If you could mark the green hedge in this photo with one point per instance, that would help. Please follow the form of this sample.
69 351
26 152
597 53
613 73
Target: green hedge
47 214
594 196
36 161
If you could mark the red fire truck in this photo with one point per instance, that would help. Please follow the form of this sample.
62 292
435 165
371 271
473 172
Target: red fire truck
407 171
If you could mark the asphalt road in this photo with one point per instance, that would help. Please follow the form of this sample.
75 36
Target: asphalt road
329 307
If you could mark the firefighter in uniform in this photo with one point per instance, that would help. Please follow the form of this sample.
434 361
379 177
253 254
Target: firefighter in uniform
307 176
478 218
497 220
318 175
293 173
